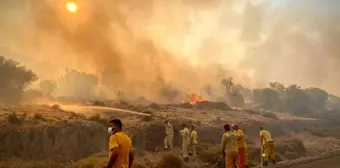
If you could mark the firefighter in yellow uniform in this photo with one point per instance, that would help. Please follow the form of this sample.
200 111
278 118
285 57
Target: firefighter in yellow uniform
193 141
229 148
242 147
268 146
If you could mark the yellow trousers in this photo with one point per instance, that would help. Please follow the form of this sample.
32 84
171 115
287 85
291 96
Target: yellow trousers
168 141
269 151
231 160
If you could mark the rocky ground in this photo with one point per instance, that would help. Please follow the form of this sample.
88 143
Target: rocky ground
75 135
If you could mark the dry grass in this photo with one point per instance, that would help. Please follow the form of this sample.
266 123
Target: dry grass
20 163
14 119
170 161
270 115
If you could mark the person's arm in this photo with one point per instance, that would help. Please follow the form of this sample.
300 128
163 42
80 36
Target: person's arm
113 158
114 150
239 136
131 157
223 144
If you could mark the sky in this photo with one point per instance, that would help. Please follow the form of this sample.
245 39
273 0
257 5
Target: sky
190 43
325 5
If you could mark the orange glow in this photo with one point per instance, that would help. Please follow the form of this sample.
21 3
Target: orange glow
72 7
194 99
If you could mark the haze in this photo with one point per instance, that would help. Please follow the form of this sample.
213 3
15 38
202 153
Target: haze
137 46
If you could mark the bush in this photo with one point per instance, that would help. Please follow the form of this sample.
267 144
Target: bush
210 155
291 149
98 119
56 107
270 115
38 116
222 106
170 161
154 106
15 120
147 118
98 103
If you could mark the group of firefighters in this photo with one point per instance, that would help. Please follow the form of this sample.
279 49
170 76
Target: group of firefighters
233 145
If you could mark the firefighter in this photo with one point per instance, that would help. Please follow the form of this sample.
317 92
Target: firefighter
267 143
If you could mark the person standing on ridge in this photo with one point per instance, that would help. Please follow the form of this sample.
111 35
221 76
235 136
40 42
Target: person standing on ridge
229 148
120 146
169 135
185 133
267 144
193 141
242 147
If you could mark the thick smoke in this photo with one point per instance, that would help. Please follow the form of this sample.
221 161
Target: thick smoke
139 46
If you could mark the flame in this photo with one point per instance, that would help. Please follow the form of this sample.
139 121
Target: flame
194 99
236 108
72 7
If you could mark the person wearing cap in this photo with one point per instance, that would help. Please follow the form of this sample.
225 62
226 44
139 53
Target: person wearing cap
193 140
267 143
229 148
169 135
242 147
185 133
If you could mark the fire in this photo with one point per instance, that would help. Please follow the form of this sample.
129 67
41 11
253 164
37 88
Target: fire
72 7
236 108
194 99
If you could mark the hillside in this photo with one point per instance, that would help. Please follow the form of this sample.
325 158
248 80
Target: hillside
53 133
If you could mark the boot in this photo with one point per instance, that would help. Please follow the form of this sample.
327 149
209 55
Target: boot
274 161
265 163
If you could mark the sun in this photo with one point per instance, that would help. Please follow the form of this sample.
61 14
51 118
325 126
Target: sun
71 7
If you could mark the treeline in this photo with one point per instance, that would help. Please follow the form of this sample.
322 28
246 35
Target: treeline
15 80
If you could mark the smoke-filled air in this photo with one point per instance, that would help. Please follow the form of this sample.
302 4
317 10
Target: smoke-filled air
153 47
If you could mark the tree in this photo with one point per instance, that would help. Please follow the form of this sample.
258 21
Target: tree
296 100
276 86
268 98
48 86
208 89
79 85
317 98
14 78
169 92
227 84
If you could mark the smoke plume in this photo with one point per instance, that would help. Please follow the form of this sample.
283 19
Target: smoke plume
139 46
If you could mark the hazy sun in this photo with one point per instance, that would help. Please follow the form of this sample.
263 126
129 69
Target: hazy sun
72 7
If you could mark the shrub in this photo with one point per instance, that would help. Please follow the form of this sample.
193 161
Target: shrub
147 118
38 116
98 119
270 115
170 161
98 103
56 107
154 106
291 149
210 155
15 120
222 106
